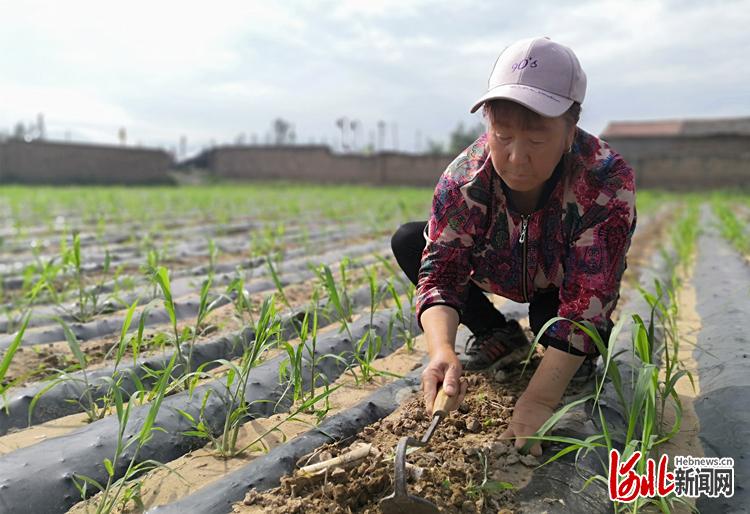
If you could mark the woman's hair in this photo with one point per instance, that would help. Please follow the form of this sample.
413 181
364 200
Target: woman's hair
495 110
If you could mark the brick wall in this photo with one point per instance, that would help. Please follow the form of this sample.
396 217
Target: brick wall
687 163
43 162
318 164
673 163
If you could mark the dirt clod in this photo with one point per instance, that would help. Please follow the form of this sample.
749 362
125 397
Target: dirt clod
511 459
463 453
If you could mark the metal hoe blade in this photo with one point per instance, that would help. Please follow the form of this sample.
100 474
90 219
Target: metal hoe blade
400 501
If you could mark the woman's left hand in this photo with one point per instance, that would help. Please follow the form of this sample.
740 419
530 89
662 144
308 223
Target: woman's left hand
528 415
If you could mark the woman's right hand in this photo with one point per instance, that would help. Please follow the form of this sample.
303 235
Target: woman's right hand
444 368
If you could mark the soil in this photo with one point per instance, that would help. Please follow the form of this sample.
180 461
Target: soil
33 363
37 362
686 442
644 243
449 471
16 439
201 467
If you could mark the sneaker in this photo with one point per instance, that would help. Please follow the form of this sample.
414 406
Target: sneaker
587 370
497 348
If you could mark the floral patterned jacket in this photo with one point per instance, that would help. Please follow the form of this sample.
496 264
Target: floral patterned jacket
576 242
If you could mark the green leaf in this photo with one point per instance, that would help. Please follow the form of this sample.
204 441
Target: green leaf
12 349
72 341
109 467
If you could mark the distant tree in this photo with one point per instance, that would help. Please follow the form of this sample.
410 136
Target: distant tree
41 130
280 131
355 126
19 130
122 135
343 125
435 147
461 138
381 135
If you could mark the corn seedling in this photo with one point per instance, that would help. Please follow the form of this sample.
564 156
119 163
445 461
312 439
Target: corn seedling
150 269
28 300
344 264
644 405
366 350
291 369
339 301
267 242
267 332
487 487
115 490
240 297
43 276
161 278
8 357
75 259
406 327
120 349
204 308
88 299
95 408
87 402
277 283
306 406
213 253
684 236
731 228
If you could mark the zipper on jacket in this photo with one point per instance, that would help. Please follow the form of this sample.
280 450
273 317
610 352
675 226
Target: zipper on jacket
522 240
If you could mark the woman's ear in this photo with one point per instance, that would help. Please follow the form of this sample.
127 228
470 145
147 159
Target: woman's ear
570 136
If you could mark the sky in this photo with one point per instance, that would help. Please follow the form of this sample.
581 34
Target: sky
220 72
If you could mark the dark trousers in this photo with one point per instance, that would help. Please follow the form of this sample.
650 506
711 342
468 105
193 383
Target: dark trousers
479 315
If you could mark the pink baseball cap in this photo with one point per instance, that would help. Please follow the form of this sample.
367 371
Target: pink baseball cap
538 73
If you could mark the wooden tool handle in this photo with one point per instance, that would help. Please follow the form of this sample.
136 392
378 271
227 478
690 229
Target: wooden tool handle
444 403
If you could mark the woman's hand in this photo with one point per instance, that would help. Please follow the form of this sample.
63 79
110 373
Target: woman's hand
443 368
528 415
536 405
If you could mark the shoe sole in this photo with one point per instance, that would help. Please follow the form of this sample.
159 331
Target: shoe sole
514 357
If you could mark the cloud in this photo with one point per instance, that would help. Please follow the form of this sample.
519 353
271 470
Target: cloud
212 71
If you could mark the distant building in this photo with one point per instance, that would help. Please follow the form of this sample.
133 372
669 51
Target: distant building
47 162
316 163
685 154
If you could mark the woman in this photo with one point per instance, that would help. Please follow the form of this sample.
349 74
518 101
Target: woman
535 210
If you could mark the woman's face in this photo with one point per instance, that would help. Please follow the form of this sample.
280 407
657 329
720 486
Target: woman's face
525 155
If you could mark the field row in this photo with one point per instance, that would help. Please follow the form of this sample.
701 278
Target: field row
215 372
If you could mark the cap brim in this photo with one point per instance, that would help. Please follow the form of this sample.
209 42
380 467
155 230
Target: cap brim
540 101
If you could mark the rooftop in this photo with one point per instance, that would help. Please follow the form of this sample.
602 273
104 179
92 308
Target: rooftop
678 128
